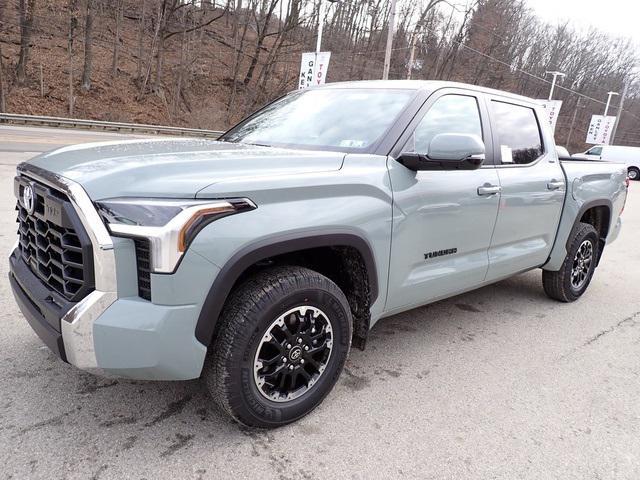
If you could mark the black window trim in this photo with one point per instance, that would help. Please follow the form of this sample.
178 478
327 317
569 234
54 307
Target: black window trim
496 139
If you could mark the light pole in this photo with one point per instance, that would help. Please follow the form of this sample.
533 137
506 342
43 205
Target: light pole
320 25
555 74
620 110
609 95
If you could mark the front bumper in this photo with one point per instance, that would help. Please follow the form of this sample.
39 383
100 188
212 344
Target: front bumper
130 337
109 332
37 304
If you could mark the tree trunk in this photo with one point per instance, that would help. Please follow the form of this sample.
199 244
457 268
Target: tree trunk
260 41
141 39
143 87
3 100
116 39
238 45
183 61
88 47
160 53
237 14
73 24
27 10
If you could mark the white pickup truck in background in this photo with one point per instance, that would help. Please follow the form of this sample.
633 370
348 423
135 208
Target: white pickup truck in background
630 156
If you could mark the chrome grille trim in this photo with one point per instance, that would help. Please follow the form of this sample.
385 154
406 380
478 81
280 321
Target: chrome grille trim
77 324
53 242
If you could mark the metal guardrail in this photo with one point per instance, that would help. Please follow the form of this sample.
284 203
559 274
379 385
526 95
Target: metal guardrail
105 126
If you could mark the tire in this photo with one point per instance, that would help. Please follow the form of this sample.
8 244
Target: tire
573 278
633 173
253 321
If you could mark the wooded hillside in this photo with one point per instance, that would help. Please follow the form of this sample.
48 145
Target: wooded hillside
205 64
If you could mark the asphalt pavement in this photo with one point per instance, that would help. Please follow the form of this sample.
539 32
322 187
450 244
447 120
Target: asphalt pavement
499 383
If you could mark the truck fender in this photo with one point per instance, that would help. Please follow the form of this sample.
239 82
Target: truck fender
587 206
271 247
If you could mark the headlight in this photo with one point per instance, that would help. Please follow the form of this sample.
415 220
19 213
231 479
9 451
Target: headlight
169 225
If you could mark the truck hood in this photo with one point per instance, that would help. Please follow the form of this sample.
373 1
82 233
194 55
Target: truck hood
175 167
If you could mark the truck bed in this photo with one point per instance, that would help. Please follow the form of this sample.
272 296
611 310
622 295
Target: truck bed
588 184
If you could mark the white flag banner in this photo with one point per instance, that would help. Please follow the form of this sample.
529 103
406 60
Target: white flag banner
322 65
552 109
600 128
313 69
306 70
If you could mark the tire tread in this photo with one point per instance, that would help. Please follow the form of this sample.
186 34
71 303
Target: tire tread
262 288
556 284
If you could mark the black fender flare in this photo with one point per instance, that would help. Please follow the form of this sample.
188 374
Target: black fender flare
271 247
588 206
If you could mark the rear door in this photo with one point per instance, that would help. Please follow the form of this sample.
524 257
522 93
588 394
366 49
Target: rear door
532 188
442 220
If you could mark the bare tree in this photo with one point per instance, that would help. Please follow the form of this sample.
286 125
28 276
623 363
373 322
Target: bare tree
141 27
119 11
253 54
27 10
156 36
73 25
88 46
262 17
3 99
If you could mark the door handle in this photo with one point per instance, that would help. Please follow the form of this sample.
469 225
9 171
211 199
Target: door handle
489 190
554 185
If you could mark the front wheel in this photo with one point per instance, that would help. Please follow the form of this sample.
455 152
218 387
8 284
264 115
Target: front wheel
284 339
573 278
633 173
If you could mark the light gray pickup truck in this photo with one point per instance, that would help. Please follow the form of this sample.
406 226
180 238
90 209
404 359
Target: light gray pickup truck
256 261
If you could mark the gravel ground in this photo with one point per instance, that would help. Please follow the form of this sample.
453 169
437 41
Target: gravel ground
498 383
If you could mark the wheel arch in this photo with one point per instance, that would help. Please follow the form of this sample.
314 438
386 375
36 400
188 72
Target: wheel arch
250 255
598 214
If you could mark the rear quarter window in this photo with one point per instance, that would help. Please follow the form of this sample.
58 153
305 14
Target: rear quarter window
518 132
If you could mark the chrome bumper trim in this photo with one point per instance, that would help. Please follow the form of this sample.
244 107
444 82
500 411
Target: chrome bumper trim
77 324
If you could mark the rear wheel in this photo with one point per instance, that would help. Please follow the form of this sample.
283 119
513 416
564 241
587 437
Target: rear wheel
573 278
634 173
284 339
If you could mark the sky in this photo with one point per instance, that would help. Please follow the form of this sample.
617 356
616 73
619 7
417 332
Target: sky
618 17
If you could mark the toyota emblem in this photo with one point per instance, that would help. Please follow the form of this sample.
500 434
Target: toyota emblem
28 199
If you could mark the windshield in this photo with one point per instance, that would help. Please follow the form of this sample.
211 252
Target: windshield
330 119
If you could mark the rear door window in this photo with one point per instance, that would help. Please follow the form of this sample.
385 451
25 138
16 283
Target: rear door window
518 133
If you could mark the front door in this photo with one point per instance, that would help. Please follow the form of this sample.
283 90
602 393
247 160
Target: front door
442 220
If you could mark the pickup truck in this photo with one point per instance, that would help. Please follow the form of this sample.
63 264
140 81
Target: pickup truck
614 153
255 262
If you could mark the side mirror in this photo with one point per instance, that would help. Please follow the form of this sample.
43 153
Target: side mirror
448 151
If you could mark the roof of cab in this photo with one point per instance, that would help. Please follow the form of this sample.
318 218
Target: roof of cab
430 85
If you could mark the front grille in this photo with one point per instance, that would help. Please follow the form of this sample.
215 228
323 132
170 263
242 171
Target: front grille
52 241
143 260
